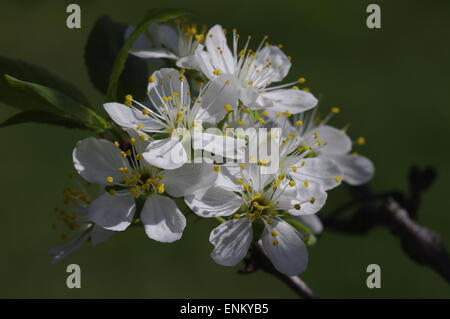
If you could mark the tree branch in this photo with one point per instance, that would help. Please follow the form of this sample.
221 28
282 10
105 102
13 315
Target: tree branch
259 260
396 211
419 243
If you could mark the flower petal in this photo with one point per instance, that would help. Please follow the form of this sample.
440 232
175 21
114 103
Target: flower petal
100 235
61 252
204 62
157 53
231 241
311 199
162 220
165 35
219 145
220 91
214 202
96 159
287 250
129 117
312 222
356 169
282 100
337 142
279 63
324 171
167 153
189 179
188 62
221 56
168 84
113 212
249 96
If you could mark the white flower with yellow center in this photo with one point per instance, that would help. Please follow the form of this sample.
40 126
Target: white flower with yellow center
164 42
257 202
134 189
175 115
318 143
254 71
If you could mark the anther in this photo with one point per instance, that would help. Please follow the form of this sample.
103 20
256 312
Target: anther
228 107
361 141
160 188
335 110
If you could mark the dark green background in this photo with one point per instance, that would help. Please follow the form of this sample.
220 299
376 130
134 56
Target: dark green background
392 85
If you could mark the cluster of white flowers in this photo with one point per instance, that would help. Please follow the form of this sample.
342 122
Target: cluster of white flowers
160 157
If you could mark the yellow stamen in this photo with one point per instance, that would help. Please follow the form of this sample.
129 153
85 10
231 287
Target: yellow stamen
361 141
228 108
335 110
160 188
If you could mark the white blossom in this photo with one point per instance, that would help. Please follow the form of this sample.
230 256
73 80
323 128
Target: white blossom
136 189
247 197
165 42
175 115
253 71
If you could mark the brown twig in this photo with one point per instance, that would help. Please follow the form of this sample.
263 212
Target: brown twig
396 211
259 260
420 244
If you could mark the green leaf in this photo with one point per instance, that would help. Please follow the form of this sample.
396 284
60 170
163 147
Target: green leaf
152 16
42 117
52 101
102 48
32 73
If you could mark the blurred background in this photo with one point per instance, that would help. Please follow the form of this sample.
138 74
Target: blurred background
392 85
